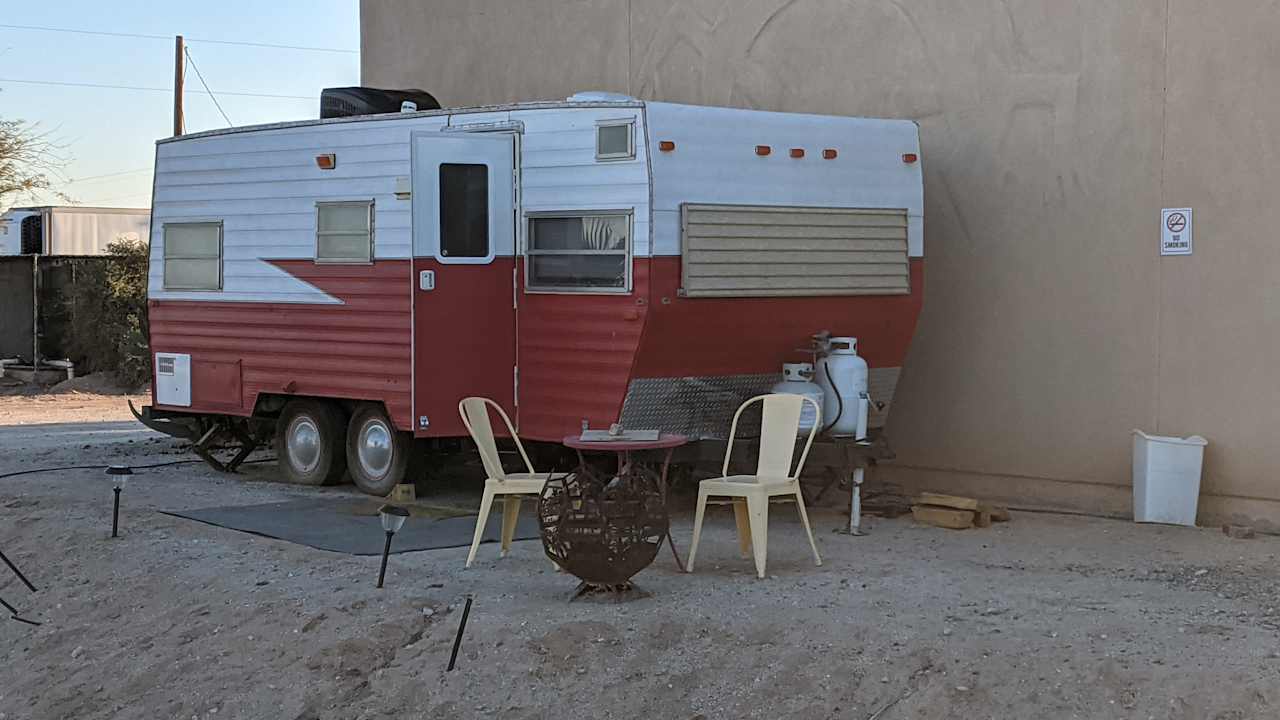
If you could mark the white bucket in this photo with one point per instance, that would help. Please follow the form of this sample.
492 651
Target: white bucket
1166 478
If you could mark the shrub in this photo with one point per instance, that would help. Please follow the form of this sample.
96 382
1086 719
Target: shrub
106 308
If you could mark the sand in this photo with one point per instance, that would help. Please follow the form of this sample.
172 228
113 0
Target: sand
1047 616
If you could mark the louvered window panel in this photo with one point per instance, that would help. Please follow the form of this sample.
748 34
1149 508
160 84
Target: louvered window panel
767 251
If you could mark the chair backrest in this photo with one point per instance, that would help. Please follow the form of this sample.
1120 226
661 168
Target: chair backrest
779 426
475 415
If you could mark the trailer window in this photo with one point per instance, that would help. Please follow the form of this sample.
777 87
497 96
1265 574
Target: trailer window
464 210
579 252
193 256
615 140
344 232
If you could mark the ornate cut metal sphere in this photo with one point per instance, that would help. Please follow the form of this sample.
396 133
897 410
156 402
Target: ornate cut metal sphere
603 529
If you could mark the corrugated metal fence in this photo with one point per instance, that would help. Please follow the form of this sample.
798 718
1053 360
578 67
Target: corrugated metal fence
35 319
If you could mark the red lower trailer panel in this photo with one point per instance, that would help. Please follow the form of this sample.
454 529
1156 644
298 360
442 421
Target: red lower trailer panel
359 348
580 356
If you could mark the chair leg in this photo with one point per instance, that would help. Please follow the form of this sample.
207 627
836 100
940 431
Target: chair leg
697 529
744 527
486 503
758 509
510 514
804 518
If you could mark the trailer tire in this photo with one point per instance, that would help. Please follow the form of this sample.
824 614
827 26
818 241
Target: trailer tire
309 443
377 453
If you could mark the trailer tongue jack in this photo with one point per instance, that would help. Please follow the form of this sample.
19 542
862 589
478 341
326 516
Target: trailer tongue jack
204 436
212 438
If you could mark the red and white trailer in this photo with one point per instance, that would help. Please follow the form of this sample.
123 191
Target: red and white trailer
600 259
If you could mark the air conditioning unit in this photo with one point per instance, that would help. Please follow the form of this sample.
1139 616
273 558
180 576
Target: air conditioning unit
351 101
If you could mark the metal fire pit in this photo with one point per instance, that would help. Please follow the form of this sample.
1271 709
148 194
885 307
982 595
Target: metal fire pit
603 528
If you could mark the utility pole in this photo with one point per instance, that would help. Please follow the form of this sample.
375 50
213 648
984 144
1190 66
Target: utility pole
178 78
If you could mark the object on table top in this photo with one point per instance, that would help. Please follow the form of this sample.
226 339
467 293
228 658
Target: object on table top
604 436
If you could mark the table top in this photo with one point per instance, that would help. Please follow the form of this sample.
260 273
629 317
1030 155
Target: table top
665 440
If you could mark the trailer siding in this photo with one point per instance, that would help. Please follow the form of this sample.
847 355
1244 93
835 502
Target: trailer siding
559 170
359 348
715 162
263 187
576 350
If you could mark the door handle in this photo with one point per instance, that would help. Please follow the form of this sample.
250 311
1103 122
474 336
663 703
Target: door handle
427 280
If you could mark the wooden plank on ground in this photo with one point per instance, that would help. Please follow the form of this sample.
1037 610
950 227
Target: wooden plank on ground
949 518
948 501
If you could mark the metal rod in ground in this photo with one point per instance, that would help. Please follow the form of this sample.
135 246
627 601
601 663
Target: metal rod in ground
462 626
13 613
17 572
115 515
386 551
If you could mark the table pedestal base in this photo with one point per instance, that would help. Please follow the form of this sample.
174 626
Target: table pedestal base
624 592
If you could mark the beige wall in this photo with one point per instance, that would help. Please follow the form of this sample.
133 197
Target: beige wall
1051 326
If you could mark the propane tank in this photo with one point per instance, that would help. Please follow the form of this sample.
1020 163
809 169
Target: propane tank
842 375
797 379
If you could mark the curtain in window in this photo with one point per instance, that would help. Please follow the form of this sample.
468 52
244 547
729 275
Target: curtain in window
599 233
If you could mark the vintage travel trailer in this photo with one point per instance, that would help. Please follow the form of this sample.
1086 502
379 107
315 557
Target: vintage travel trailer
602 259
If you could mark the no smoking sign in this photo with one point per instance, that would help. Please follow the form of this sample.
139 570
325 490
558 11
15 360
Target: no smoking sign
1175 231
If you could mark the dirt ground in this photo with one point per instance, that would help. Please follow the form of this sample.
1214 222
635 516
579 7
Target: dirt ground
91 398
1048 616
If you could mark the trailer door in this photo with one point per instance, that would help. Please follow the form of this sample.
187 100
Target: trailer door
463 276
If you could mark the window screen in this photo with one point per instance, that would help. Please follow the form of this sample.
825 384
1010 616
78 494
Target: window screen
193 256
613 141
464 210
344 232
579 252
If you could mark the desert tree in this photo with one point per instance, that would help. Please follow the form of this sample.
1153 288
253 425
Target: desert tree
30 161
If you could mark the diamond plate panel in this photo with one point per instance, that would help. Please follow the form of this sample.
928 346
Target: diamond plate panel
699 407
703 407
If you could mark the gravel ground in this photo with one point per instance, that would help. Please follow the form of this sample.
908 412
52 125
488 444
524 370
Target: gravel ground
1047 616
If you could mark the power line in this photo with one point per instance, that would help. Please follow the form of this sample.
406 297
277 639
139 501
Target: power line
168 37
75 180
200 75
121 198
148 89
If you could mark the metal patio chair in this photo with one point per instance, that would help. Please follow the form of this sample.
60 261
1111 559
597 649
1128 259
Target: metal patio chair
511 486
779 427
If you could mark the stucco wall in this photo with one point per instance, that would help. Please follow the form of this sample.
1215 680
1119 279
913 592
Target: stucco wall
1051 326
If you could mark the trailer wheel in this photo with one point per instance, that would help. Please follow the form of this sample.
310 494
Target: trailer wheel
308 443
377 453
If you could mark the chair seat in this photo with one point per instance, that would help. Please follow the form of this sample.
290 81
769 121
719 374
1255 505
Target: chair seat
743 485
521 483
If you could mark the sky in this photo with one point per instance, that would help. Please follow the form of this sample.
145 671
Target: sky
108 134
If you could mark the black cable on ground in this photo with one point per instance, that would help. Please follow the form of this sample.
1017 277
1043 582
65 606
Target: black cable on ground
131 467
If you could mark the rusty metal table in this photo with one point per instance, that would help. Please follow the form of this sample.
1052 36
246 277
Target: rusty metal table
623 449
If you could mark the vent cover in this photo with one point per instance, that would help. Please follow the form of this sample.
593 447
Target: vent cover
763 251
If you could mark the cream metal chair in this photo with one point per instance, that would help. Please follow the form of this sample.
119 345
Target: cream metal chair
475 415
779 426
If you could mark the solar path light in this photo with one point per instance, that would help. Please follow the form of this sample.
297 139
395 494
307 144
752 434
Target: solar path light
119 475
393 517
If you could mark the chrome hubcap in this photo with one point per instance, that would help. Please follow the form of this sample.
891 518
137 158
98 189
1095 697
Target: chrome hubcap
374 448
304 444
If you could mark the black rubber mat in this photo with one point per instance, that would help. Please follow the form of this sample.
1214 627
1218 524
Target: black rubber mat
353 527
